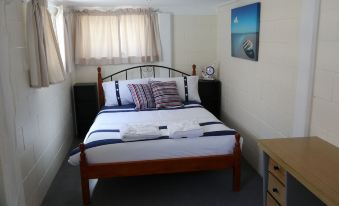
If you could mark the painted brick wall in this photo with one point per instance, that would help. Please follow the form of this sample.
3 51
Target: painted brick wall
325 111
258 97
43 126
194 41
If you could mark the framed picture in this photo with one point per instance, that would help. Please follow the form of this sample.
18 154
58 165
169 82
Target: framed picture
245 27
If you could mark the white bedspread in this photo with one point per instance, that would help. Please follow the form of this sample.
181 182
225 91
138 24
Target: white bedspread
103 143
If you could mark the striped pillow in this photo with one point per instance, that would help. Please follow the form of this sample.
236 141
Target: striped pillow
165 94
142 96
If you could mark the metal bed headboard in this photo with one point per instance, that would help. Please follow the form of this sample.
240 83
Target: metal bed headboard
140 68
153 67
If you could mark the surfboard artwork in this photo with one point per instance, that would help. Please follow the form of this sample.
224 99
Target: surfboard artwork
245 27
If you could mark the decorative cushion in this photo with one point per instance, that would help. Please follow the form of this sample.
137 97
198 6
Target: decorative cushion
187 87
165 94
117 92
142 96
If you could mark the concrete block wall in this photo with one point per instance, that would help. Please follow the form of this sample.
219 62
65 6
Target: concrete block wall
194 41
258 97
43 125
325 110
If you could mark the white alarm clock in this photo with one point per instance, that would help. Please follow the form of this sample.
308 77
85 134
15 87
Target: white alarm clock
209 73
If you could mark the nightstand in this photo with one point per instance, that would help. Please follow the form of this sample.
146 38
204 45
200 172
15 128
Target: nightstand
210 95
86 106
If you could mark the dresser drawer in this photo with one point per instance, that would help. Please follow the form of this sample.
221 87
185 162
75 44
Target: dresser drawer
277 171
270 201
276 189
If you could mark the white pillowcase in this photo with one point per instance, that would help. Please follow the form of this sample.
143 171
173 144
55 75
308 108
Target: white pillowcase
110 91
192 87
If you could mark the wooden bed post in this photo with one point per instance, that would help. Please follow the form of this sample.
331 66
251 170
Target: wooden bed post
83 174
236 166
194 72
100 89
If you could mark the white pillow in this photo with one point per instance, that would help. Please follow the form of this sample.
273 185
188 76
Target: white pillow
112 88
192 87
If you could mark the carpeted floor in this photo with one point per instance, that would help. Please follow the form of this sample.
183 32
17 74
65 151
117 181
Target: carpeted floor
212 188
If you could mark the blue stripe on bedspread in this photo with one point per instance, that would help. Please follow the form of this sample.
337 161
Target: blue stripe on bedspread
98 143
160 127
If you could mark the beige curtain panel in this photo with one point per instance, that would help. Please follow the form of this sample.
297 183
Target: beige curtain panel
45 62
117 37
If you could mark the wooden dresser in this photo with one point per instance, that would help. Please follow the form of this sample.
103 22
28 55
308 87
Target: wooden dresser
300 171
210 95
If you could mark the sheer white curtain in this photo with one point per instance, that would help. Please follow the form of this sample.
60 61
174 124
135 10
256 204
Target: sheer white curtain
69 32
63 23
60 27
45 61
117 37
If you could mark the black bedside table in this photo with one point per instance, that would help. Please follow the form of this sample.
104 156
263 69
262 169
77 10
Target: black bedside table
86 106
210 95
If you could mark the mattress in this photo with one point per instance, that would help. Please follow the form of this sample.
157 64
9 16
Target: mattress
104 144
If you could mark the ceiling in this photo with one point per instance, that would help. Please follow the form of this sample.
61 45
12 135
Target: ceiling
173 6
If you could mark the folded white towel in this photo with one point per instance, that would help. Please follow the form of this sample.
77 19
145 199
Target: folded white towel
189 129
135 132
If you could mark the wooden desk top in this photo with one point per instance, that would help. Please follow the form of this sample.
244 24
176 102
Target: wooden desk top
311 160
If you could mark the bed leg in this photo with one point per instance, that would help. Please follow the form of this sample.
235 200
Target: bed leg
236 165
84 179
85 191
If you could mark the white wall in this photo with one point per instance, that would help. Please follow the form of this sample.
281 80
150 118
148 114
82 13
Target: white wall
39 120
258 97
195 41
325 112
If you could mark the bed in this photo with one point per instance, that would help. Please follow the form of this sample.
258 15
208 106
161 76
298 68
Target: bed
103 154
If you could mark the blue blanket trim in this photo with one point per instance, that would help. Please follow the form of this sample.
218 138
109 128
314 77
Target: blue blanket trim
219 133
201 124
209 123
126 106
116 141
104 130
151 109
132 106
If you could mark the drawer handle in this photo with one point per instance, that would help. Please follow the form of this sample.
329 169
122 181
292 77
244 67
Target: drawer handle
275 190
276 167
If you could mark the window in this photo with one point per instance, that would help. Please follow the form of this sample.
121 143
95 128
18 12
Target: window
57 17
116 37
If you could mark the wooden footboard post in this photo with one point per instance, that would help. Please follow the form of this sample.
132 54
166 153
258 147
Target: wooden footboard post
100 89
84 179
236 166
